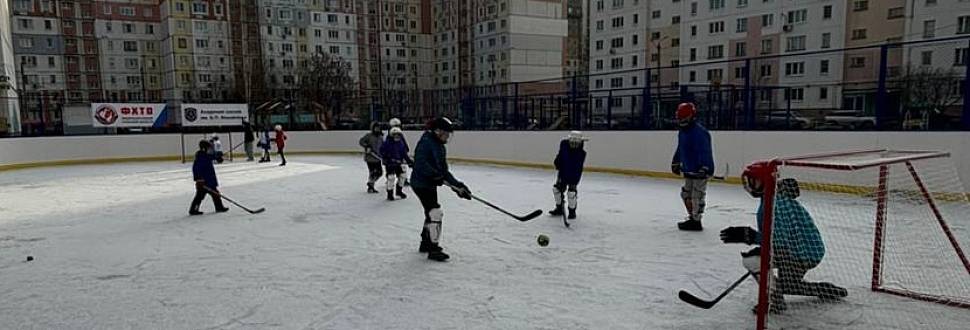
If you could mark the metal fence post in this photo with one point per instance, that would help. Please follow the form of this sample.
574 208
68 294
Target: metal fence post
965 116
646 100
609 110
881 93
748 97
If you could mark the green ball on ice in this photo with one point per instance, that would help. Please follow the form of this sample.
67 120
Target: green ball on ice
543 240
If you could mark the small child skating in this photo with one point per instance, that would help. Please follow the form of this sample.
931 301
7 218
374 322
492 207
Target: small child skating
216 148
694 159
280 143
569 162
204 175
371 142
394 153
394 122
264 143
431 171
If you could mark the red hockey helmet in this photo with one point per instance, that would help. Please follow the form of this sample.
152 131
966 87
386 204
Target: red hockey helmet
754 177
686 110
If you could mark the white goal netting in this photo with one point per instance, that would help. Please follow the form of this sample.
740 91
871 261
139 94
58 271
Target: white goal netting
889 251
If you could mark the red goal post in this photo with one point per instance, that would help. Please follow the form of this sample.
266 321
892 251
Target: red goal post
849 161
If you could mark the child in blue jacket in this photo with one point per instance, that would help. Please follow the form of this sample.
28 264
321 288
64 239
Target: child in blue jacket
204 175
394 153
694 159
569 162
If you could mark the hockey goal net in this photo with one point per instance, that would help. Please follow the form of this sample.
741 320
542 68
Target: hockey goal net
882 247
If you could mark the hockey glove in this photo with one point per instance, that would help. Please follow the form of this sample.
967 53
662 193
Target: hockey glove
744 235
462 191
675 168
751 260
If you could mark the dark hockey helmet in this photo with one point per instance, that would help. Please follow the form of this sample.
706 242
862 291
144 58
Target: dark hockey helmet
788 187
205 144
442 123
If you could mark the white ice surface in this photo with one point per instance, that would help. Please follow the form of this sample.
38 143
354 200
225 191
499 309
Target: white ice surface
115 249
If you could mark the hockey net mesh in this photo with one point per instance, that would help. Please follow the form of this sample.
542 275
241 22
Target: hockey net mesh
918 257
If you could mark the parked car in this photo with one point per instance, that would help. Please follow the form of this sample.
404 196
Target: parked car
784 120
849 119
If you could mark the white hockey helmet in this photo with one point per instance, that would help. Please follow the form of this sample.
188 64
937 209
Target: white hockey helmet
394 122
576 136
396 131
214 136
278 127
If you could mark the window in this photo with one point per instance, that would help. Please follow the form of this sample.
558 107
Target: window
107 9
616 82
797 16
48 24
960 56
127 11
715 52
766 46
693 76
794 44
333 34
182 43
795 69
742 3
331 18
693 30
200 8
693 9
655 35
823 93
860 5
149 29
616 43
26 43
717 4
826 40
693 54
963 25
675 20
599 25
616 63
617 22
858 34
897 12
741 49
201 43
739 73
929 29
857 62
926 57
131 46
716 27
742 25
655 14
634 40
823 67
714 75
633 60
795 94
50 62
599 44
767 20
765 70
827 12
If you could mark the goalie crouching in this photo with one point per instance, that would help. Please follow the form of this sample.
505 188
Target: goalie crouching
796 244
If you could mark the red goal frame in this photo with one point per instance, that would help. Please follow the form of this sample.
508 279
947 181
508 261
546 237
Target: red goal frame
831 161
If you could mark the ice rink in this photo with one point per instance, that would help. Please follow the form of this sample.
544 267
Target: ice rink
114 248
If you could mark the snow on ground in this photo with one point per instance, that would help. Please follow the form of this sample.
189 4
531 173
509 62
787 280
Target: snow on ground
115 248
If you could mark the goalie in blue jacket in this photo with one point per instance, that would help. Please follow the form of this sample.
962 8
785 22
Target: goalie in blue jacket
569 163
796 244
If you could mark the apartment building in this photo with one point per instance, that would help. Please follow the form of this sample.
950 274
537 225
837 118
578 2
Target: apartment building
129 50
39 48
937 19
617 44
195 51
870 23
715 31
246 51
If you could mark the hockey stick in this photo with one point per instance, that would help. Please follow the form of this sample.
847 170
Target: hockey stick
256 211
705 304
522 218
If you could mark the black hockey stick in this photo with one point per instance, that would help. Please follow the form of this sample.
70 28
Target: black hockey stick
522 218
707 304
256 211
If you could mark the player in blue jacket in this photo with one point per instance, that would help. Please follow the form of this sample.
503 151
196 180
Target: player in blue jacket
204 175
394 153
694 159
796 243
431 171
569 162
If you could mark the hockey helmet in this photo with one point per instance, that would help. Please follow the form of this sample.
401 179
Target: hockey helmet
394 122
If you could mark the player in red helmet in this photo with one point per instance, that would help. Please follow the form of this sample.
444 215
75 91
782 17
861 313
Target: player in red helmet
694 159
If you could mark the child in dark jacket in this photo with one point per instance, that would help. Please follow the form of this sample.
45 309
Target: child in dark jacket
569 162
371 142
204 175
394 153
694 159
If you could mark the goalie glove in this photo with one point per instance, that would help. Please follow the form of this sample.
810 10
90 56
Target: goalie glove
744 235
751 260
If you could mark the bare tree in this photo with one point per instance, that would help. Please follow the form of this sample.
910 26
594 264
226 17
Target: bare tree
325 82
929 91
